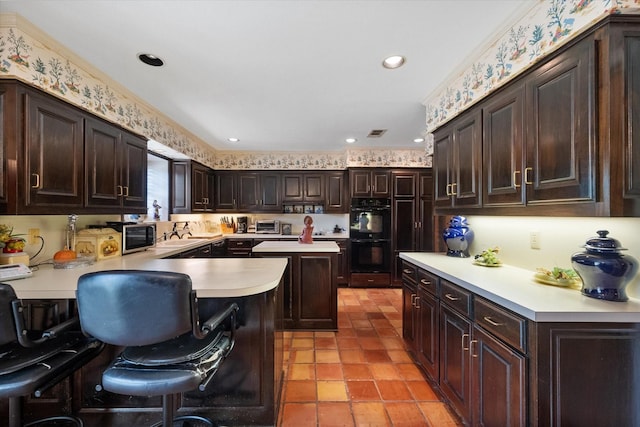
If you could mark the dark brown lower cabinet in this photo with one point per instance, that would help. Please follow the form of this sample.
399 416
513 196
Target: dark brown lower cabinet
499 382
455 363
497 368
310 290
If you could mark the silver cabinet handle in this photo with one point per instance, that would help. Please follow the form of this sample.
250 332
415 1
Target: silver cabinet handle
37 180
407 271
119 192
471 344
491 321
126 191
451 297
527 178
515 180
464 347
425 282
416 304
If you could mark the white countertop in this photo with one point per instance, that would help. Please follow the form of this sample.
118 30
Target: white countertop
515 289
211 277
294 246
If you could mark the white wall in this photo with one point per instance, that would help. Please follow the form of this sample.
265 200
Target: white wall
559 239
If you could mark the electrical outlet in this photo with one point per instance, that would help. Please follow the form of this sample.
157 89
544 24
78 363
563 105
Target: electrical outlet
534 240
33 235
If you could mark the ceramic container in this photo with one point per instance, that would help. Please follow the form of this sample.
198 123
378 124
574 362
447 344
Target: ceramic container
458 237
604 271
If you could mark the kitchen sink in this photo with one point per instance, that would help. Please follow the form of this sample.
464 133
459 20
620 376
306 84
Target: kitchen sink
178 243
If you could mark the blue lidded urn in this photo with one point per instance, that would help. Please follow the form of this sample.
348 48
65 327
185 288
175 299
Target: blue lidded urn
604 271
458 237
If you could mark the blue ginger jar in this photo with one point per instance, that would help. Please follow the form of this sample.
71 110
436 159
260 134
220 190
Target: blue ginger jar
604 271
458 237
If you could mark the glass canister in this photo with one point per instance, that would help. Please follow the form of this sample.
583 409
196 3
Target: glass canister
458 237
604 271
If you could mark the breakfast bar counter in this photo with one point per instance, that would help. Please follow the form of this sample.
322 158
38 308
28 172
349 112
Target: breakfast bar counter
245 390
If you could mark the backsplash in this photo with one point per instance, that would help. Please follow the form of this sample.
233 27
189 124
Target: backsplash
559 239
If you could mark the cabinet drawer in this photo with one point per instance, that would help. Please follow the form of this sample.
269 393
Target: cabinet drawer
240 244
428 282
370 279
409 272
502 323
456 297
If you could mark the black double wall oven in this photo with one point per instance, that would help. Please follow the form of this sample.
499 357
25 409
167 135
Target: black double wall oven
370 235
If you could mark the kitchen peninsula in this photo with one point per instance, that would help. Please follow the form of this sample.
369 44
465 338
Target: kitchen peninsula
246 389
310 289
505 350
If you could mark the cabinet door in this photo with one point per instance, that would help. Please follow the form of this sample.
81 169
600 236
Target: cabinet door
408 314
404 184
102 158
270 200
467 157
54 154
404 232
343 262
632 104
199 187
248 192
381 183
502 149
134 174
315 291
181 187
500 380
225 193
313 187
561 128
442 168
336 198
292 187
428 336
360 183
425 237
455 363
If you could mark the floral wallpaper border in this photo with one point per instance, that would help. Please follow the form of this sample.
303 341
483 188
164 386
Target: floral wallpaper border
24 57
545 27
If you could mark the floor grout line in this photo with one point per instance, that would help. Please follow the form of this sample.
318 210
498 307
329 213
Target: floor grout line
387 387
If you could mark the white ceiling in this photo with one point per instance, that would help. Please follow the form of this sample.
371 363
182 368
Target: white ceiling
283 75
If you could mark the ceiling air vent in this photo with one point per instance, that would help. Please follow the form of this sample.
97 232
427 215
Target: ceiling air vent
376 133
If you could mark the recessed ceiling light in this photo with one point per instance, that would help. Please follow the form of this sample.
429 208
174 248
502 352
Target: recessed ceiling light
234 139
394 61
418 140
350 140
150 59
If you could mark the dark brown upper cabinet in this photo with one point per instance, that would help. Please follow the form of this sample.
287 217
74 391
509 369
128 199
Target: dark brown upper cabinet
202 188
60 159
457 162
560 117
370 182
502 143
115 169
337 192
303 187
259 192
54 144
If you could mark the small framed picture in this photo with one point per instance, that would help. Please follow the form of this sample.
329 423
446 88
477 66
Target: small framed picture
288 209
298 209
308 208
318 209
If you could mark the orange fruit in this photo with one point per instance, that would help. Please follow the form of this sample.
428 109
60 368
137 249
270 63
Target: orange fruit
65 255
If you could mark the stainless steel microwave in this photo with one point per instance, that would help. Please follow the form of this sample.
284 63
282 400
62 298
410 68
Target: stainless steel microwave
135 237
268 226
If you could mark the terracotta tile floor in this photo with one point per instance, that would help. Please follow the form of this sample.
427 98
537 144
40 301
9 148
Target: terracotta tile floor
360 375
